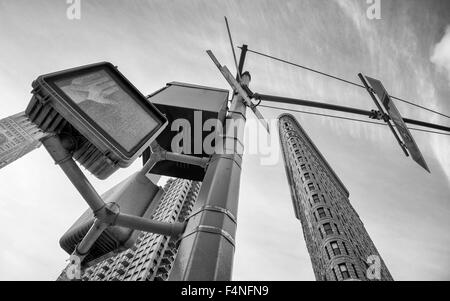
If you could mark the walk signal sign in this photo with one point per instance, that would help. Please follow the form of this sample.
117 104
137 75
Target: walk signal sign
113 121
379 93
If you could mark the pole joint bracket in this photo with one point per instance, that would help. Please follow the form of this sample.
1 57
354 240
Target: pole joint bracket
214 209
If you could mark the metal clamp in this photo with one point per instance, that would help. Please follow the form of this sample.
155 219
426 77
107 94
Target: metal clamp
237 158
214 209
236 112
236 139
159 154
377 115
213 230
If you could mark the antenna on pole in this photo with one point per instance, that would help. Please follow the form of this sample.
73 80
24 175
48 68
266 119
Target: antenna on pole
237 85
238 88
232 49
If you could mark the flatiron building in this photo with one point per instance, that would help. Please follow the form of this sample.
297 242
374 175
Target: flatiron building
339 246
18 137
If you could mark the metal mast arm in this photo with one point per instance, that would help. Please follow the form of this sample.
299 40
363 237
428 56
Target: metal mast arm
327 106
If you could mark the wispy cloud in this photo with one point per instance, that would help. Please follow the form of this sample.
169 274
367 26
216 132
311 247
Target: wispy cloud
441 54
441 59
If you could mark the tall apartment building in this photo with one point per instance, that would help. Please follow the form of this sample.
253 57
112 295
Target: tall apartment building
152 256
339 245
18 137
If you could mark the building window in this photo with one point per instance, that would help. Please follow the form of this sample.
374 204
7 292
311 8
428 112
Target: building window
337 229
303 167
316 199
335 275
321 213
327 228
329 212
328 253
311 186
335 248
367 265
356 272
307 176
344 271
345 247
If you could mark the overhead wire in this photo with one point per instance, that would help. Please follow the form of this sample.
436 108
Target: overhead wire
342 80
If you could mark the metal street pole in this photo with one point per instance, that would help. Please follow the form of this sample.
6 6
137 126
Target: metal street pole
207 246
327 106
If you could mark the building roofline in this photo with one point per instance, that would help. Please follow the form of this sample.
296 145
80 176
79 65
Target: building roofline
338 180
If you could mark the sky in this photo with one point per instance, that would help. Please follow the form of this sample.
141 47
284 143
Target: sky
405 210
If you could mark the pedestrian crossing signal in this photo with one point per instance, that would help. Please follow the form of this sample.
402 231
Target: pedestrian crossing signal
111 121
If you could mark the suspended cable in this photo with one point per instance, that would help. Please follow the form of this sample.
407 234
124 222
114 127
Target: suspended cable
342 80
346 118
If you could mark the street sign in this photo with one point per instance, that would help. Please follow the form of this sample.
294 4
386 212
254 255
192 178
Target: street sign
395 116
113 122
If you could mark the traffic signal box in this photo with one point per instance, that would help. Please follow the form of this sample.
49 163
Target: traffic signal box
196 105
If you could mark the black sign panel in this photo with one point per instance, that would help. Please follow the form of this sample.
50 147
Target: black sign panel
396 117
